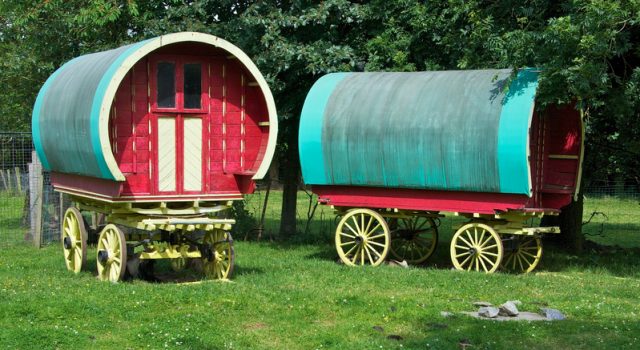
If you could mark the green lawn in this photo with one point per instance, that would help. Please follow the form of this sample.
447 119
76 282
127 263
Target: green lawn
294 296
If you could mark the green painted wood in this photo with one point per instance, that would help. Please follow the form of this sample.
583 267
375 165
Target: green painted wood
422 130
311 119
66 116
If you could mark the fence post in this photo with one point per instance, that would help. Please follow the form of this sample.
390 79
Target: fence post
36 184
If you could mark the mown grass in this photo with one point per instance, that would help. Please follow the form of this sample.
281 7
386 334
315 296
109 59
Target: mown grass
292 295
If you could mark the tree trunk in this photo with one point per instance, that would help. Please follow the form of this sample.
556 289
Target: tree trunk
570 222
289 175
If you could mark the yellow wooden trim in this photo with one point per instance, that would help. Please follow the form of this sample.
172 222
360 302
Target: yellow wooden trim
563 156
162 251
167 154
263 123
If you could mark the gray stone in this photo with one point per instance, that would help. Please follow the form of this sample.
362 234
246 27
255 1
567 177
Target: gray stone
509 309
523 316
402 263
446 314
489 311
552 314
482 303
515 302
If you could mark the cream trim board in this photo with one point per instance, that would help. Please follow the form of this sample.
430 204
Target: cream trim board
192 154
166 154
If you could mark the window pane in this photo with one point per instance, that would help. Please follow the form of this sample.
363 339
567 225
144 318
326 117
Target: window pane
192 85
166 85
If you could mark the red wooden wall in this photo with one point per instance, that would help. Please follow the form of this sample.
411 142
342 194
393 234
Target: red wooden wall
235 144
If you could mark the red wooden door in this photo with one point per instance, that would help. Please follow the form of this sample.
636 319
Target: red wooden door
179 112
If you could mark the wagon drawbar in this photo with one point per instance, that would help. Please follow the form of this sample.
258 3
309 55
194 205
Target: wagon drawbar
158 138
391 152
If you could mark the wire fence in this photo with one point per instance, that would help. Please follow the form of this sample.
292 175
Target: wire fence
29 208
30 211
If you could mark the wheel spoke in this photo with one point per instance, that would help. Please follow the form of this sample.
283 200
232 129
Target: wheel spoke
347 243
470 236
465 260
368 254
355 256
373 230
490 253
351 228
462 254
493 263
355 222
465 241
347 235
351 250
376 243
480 257
376 236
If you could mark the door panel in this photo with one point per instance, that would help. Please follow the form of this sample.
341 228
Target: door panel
166 154
192 154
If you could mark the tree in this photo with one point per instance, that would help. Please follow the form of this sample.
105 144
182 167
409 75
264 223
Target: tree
588 51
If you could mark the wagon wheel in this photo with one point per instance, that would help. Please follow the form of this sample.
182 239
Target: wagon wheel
362 237
74 240
525 255
218 254
178 264
414 239
112 254
476 247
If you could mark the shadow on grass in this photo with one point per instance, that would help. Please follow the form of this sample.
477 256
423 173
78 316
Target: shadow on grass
614 260
161 271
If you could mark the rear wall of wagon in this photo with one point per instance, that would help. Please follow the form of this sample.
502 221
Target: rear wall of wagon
235 135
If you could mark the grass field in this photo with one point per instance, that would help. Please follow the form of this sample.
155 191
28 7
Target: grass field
294 296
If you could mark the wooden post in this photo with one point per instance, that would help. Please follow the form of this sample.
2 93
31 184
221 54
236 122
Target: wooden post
36 183
8 177
4 181
18 179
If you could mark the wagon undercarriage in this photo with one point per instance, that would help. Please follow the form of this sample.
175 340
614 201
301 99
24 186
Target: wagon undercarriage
129 236
484 243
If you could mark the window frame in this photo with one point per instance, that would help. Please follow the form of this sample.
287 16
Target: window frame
179 61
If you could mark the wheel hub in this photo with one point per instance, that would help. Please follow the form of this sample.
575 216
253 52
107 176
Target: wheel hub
359 239
473 251
67 242
103 256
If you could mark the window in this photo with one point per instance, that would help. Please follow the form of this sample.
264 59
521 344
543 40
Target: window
166 76
192 85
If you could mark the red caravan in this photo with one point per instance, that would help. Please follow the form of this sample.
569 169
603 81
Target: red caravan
160 136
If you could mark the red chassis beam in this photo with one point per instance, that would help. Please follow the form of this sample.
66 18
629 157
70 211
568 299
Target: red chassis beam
423 200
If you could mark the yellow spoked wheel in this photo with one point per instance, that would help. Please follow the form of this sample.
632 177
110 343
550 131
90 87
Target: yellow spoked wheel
524 255
178 264
414 239
362 237
112 254
476 247
74 240
218 256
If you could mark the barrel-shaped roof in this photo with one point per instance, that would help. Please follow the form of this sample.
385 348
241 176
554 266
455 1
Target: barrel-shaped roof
446 130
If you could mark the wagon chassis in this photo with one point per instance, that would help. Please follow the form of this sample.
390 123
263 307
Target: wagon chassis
194 233
486 242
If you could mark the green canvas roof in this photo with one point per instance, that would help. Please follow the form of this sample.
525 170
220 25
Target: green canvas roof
447 130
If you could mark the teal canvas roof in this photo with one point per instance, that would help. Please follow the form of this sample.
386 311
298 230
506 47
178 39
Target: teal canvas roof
447 130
